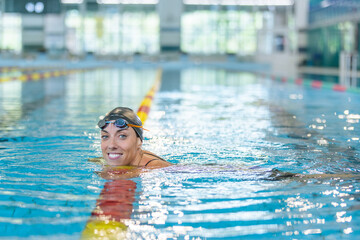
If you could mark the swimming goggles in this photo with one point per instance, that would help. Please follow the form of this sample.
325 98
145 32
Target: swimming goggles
120 123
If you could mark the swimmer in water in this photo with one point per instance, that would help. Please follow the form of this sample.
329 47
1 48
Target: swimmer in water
123 157
121 142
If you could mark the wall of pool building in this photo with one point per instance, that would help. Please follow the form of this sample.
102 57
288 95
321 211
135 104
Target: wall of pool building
317 39
255 102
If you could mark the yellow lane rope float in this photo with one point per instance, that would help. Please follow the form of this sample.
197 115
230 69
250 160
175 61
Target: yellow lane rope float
115 203
145 105
9 69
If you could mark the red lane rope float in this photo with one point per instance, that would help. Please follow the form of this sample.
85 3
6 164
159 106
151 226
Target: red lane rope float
299 81
317 84
115 203
339 88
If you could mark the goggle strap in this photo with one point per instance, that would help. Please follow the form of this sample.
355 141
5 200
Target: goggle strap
132 125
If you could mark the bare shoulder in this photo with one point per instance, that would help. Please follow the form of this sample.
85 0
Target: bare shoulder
154 161
157 163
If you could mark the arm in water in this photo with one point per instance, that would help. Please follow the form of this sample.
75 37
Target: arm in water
276 175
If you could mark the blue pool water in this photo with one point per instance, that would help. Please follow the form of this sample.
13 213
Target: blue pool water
224 131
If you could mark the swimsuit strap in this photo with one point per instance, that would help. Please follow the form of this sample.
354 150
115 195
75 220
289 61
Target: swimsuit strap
151 154
157 158
153 160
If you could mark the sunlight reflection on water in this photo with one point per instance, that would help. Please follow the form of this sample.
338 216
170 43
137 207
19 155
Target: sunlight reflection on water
225 131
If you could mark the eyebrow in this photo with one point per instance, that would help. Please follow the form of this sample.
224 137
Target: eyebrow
102 130
120 130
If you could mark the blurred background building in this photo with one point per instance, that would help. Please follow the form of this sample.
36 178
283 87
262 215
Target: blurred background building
292 36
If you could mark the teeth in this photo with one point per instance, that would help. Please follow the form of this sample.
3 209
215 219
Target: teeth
114 155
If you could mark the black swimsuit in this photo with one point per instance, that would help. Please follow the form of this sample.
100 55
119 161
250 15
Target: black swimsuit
157 158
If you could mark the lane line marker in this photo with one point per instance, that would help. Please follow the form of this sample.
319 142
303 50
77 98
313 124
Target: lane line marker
43 75
145 105
317 84
115 203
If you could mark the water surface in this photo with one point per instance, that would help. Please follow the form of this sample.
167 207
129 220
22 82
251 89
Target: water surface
223 130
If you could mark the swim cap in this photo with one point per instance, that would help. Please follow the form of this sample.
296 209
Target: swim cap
129 115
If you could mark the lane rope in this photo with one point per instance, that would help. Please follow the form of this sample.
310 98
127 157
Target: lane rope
43 75
115 203
317 84
10 69
145 105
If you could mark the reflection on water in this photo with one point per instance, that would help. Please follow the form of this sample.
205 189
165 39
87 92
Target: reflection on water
113 207
225 131
208 202
20 98
47 132
241 122
171 80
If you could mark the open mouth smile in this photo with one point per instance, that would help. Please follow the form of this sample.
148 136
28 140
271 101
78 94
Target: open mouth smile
114 156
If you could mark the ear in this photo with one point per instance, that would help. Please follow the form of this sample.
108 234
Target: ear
138 142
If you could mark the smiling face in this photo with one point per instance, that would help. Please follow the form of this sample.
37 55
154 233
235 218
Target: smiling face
120 147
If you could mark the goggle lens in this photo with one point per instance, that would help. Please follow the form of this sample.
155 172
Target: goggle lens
120 123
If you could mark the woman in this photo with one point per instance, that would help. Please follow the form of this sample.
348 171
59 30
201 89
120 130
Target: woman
121 142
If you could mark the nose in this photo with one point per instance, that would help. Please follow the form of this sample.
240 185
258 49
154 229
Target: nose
112 144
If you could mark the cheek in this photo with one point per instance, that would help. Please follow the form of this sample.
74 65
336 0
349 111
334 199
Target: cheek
138 142
130 145
127 146
102 146
102 143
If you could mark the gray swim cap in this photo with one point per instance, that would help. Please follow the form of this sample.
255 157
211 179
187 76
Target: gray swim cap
127 114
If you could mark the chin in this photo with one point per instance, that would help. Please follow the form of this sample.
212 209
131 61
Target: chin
116 162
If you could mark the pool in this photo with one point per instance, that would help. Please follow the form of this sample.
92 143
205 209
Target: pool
224 130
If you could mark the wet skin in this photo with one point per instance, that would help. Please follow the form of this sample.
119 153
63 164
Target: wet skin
120 147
